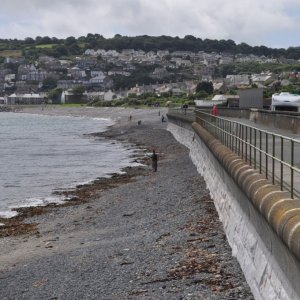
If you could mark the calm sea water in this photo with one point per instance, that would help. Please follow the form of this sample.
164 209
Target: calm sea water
40 154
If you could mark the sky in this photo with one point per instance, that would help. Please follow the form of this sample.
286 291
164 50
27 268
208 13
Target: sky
273 23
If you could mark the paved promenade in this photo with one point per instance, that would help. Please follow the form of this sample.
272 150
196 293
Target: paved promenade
287 145
286 171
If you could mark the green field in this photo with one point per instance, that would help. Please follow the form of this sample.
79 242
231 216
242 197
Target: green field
72 105
11 53
43 46
82 45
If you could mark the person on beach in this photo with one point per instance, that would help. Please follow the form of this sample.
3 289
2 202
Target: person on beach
154 158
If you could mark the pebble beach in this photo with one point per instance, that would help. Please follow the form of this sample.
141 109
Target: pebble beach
136 235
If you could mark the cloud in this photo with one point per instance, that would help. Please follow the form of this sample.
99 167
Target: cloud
255 22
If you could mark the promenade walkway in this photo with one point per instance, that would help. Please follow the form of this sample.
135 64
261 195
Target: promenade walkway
287 153
281 148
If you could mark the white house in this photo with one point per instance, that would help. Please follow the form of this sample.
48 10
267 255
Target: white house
162 53
118 72
76 72
109 95
236 80
97 80
10 77
25 99
263 78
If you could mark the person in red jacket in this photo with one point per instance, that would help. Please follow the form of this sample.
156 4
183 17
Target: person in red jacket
215 111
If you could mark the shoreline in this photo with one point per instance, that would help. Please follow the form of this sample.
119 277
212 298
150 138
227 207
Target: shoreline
81 193
149 235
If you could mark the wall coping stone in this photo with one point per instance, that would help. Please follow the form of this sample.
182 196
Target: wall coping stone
279 210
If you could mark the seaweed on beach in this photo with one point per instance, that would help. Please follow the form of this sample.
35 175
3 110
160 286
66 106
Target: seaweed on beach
81 194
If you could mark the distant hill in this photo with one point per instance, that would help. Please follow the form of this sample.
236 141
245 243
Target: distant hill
30 47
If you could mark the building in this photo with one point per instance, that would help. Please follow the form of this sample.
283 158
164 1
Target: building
238 80
263 78
25 99
120 72
251 98
69 97
160 73
109 96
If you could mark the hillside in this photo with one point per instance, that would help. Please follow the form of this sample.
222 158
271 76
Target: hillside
32 48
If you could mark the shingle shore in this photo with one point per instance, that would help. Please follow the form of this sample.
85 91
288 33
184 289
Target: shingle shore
149 236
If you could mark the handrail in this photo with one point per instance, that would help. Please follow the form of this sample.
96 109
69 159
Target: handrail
271 153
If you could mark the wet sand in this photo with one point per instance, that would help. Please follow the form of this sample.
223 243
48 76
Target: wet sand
140 235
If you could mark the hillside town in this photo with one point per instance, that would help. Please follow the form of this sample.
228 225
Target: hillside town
108 74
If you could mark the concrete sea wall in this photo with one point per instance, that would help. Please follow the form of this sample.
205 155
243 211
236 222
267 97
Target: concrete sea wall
261 222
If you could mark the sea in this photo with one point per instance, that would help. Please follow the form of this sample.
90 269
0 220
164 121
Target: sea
41 154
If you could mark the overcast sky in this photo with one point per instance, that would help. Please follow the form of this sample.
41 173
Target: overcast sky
274 23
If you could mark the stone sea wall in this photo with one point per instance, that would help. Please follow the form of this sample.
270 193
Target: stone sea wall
260 221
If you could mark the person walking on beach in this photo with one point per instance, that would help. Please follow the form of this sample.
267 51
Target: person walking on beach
154 158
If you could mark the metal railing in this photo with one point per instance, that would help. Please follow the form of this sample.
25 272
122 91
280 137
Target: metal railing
276 156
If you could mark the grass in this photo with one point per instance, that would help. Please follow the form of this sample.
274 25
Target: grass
45 46
72 105
11 53
81 45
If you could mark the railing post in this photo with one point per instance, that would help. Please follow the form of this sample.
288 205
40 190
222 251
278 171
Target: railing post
246 145
260 151
230 136
266 156
225 132
255 149
273 160
292 168
236 137
281 163
239 138
250 143
242 141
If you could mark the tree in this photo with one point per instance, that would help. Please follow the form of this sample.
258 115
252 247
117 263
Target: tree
54 40
49 83
38 39
244 48
29 40
78 90
201 95
60 50
55 95
46 40
205 86
74 49
70 40
190 37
